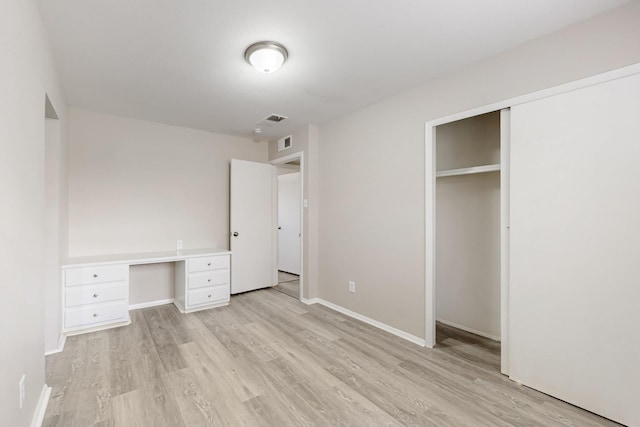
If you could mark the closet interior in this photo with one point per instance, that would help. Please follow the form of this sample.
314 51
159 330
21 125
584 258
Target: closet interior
468 225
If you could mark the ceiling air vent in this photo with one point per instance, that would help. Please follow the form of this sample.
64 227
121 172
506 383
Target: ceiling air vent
275 118
284 143
269 121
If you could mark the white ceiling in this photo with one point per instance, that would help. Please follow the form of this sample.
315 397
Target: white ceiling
181 62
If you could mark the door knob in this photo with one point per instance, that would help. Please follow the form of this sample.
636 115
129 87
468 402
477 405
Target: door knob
279 228
235 234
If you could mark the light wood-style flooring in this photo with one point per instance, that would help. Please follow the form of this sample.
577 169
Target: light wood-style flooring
269 360
288 284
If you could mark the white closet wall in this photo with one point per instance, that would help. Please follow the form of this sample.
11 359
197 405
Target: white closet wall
469 142
468 226
575 233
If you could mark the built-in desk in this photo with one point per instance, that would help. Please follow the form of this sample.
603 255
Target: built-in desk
95 289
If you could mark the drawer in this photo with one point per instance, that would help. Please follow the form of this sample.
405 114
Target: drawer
91 294
207 263
92 315
212 295
210 278
98 274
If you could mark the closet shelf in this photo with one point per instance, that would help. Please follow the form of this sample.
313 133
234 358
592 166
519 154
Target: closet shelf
468 171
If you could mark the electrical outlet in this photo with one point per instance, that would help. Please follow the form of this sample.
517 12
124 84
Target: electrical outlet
179 244
352 286
21 385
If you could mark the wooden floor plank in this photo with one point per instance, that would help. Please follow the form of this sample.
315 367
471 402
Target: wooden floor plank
337 396
269 360
165 345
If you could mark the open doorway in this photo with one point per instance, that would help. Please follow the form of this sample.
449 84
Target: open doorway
290 225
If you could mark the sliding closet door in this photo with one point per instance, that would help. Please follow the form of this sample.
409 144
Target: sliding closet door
575 247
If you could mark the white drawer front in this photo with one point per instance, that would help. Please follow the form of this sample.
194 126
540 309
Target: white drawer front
213 278
211 295
207 263
92 294
88 316
99 274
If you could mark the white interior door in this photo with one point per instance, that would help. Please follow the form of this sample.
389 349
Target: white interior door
575 262
253 224
289 223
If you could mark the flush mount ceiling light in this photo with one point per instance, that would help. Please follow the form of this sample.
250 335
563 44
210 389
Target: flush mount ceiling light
266 57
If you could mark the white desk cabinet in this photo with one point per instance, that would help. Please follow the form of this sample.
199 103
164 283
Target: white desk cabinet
95 292
95 296
202 283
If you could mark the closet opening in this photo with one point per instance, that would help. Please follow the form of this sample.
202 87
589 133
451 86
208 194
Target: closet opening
468 250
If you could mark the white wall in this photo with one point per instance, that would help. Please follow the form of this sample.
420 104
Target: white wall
470 142
27 74
55 228
151 282
138 186
468 226
305 140
288 169
371 163
468 252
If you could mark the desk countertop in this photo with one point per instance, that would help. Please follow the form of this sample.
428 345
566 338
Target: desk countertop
142 257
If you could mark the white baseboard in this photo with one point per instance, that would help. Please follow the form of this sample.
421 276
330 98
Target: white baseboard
98 328
471 330
38 415
368 320
150 304
61 341
310 301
